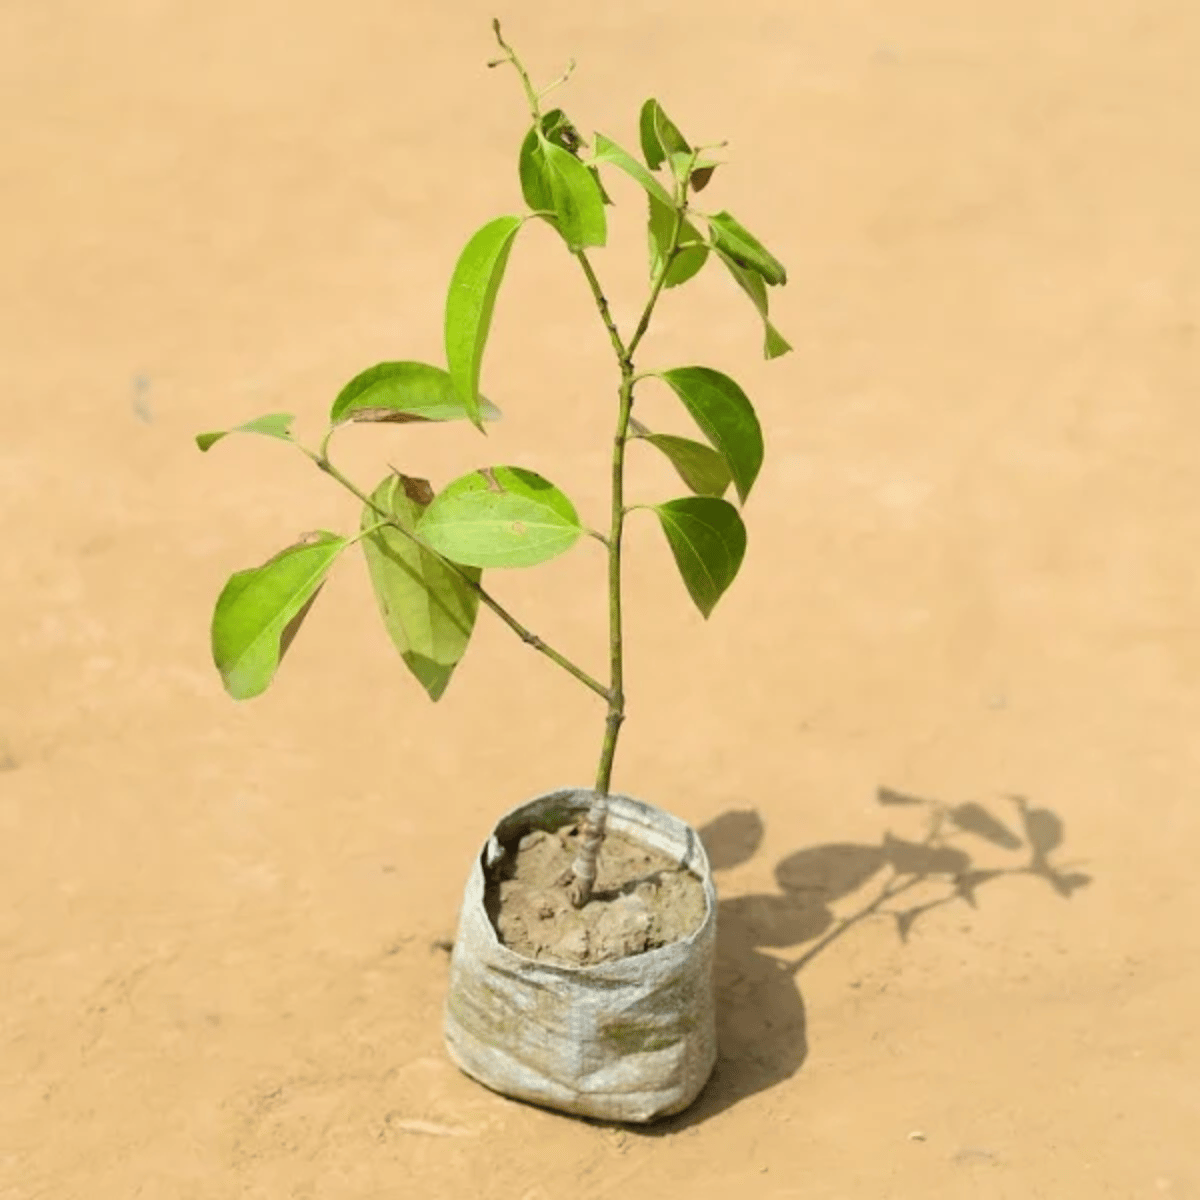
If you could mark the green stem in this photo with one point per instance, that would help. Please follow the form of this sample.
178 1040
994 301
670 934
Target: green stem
616 702
529 638
660 280
601 302
557 83
510 56
580 877
371 529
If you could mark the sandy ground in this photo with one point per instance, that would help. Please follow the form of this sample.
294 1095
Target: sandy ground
971 581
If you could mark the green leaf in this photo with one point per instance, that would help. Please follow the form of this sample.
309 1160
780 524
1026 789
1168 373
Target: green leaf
559 129
260 610
577 201
704 470
400 392
469 306
708 540
774 343
692 252
554 180
660 135
428 609
531 166
745 249
607 151
276 425
500 517
727 418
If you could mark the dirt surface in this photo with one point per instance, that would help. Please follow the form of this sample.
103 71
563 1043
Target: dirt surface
642 900
971 580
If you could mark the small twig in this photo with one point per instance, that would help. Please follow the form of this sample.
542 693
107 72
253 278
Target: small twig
563 78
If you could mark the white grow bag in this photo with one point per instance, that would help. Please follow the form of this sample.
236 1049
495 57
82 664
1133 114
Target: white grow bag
628 1040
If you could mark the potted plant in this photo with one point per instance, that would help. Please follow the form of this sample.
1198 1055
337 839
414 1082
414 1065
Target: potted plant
581 975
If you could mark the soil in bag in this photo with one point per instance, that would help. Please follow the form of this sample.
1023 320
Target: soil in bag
642 900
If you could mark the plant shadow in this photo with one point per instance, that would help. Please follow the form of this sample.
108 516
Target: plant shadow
761 1028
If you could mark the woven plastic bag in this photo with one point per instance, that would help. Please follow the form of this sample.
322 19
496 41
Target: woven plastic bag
632 1039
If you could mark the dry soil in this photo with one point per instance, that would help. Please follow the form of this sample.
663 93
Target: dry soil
642 900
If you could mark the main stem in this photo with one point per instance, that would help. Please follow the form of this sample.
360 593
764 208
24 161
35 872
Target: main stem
580 878
616 690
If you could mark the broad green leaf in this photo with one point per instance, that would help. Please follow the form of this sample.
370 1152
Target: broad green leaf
276 425
704 470
751 282
402 392
531 166
578 202
692 252
726 416
553 180
560 130
469 306
660 135
607 151
500 517
708 540
259 611
745 249
429 610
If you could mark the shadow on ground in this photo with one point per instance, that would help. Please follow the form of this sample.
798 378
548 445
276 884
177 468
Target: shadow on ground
760 1011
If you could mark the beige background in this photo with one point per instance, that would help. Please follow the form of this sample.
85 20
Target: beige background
971 576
